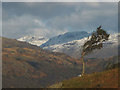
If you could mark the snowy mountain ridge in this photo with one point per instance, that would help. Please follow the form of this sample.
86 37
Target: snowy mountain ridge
67 37
71 43
78 43
33 40
73 48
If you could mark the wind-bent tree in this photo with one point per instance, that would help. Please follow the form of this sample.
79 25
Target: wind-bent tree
95 42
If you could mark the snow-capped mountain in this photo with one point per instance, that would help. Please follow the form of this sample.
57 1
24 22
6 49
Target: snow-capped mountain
71 43
33 40
67 37
73 48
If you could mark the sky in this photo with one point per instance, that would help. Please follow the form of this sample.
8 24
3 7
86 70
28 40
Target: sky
0 19
49 19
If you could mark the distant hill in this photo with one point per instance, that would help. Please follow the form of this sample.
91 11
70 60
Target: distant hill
26 65
106 79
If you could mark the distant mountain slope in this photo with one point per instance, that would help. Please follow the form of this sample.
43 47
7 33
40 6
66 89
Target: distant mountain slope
64 38
71 43
106 79
26 65
73 48
33 40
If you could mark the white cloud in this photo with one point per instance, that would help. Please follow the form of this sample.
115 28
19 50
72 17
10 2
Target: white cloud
48 22
84 17
39 22
48 32
20 25
25 25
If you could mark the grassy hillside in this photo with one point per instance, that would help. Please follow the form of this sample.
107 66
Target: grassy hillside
106 79
26 65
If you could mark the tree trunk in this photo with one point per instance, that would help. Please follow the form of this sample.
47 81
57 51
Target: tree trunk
83 69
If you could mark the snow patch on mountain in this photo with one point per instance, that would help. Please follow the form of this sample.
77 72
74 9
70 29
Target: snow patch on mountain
68 45
73 48
34 40
67 37
78 43
71 43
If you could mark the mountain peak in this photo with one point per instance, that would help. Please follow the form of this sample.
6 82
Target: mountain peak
67 37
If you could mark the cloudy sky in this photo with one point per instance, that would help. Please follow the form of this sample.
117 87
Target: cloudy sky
0 19
49 19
